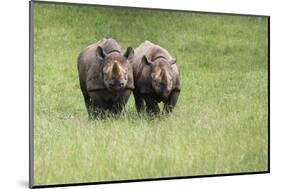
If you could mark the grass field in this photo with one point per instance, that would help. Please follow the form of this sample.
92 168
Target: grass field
220 124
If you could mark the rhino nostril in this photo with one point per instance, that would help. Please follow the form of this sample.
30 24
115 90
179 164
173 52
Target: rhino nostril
121 84
110 84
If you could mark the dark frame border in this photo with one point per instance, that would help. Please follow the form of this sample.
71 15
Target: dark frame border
31 123
31 96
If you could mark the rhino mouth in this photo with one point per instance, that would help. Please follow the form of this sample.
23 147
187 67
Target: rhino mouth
112 89
115 89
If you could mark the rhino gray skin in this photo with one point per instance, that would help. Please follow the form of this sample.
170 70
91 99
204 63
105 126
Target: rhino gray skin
106 77
156 79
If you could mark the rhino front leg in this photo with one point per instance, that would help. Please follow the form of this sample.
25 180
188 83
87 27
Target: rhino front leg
87 102
97 106
139 101
117 108
152 106
172 101
120 101
95 110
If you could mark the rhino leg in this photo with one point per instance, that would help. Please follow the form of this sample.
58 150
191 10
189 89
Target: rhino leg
94 111
120 101
139 101
98 107
171 103
87 101
152 105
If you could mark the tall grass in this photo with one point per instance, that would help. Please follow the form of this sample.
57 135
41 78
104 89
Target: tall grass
219 124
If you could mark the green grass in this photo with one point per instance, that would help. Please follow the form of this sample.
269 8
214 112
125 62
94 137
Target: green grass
219 124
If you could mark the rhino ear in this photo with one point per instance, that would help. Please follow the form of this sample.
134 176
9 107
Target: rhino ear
100 53
173 61
146 61
129 53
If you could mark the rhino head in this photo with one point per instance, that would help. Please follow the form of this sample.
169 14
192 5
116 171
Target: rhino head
115 68
161 75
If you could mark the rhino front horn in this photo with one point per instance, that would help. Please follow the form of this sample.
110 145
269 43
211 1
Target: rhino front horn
115 68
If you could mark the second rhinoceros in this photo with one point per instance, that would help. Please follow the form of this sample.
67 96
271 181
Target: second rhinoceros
156 78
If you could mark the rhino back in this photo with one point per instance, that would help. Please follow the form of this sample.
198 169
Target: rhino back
141 71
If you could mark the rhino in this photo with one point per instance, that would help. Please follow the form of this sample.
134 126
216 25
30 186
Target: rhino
156 79
106 77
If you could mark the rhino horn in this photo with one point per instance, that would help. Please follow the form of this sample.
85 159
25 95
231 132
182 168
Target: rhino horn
164 76
115 69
